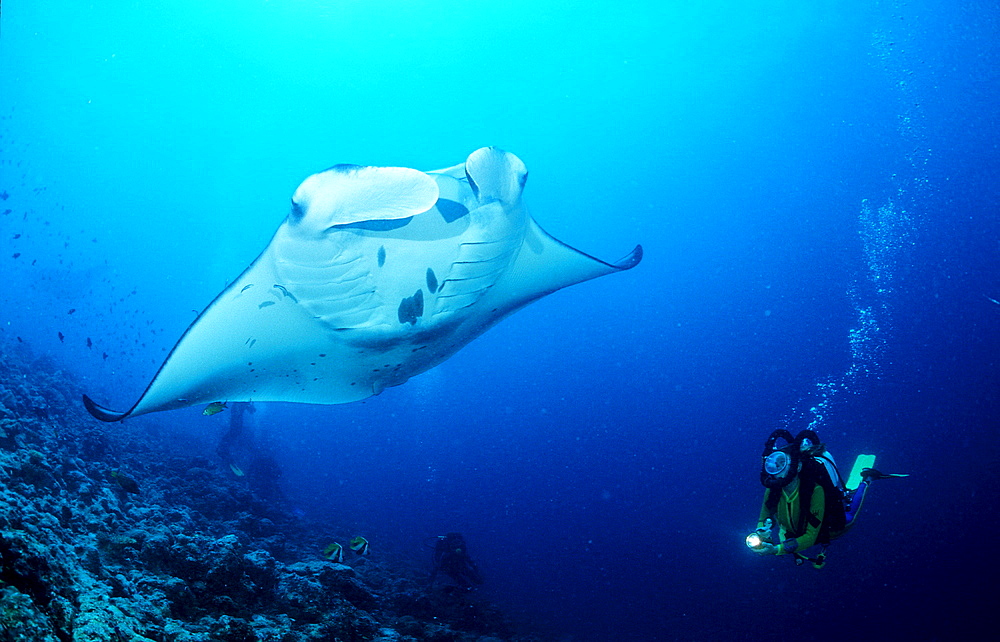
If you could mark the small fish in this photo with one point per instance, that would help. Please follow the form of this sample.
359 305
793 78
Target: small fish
334 552
90 344
359 545
236 470
214 408
104 356
126 483
17 236
71 311
62 337
16 254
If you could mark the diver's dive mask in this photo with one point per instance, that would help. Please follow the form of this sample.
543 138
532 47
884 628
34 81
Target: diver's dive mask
780 466
777 463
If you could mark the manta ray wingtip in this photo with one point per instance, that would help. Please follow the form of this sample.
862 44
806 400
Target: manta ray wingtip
102 413
631 259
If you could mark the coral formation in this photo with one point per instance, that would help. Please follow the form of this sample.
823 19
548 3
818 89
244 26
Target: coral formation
105 536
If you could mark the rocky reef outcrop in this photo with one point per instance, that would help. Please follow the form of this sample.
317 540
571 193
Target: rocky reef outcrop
108 535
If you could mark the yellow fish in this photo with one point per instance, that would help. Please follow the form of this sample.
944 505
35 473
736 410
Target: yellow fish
214 408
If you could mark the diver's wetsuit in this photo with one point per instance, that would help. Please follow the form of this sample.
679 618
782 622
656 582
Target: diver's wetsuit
798 531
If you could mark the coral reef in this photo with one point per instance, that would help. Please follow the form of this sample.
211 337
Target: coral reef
171 549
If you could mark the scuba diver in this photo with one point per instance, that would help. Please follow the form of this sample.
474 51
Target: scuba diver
238 438
262 476
452 557
806 497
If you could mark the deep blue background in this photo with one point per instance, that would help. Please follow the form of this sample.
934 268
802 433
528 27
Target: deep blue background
600 448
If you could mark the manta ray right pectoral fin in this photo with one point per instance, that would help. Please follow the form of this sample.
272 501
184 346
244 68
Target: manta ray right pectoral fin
102 413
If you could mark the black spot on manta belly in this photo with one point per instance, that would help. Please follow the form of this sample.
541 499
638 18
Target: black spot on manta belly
264 304
381 256
432 281
411 307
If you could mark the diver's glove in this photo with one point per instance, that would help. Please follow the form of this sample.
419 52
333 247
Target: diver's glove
766 548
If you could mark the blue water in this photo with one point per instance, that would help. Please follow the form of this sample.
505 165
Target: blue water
817 190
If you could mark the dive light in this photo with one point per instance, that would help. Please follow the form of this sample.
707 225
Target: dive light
758 539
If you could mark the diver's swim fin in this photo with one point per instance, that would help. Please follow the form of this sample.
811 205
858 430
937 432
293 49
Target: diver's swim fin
871 473
862 463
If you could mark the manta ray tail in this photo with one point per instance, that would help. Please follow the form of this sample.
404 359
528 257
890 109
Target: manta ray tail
102 413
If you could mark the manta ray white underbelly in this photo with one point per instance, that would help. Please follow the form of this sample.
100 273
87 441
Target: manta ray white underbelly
376 275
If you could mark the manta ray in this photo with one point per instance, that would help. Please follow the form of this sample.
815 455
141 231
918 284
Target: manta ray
376 275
